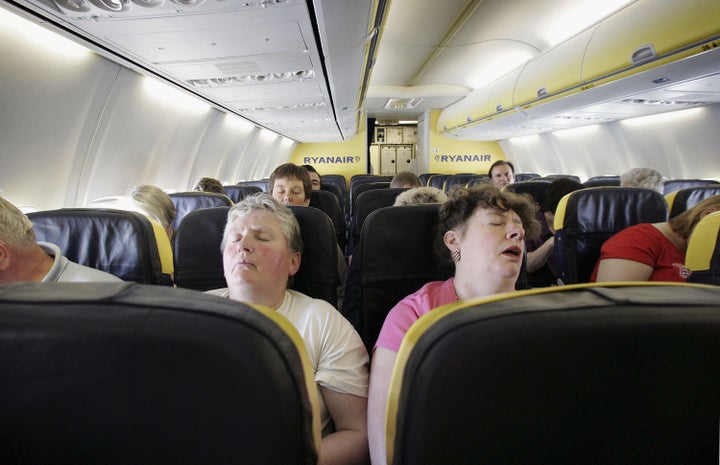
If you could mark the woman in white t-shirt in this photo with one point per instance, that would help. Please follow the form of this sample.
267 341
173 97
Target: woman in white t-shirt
261 248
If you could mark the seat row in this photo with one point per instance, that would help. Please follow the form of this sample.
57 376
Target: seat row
393 260
623 373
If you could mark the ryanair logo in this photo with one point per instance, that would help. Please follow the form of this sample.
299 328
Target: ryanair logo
330 160
463 158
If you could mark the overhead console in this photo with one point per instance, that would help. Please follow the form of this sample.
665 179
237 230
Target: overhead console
650 57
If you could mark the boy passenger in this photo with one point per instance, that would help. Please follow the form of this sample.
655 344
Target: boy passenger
502 173
314 177
290 184
262 248
22 258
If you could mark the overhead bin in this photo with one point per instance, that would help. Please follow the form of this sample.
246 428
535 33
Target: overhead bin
487 102
646 30
553 72
646 46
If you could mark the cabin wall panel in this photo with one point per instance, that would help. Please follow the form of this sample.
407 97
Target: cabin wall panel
143 137
51 104
680 145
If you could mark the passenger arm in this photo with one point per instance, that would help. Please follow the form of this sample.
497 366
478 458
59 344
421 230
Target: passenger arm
383 362
538 257
619 269
348 444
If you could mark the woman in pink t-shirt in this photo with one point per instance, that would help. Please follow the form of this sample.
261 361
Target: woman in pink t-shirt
651 251
483 229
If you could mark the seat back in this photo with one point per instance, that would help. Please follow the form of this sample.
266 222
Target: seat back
336 183
127 373
460 179
597 181
683 199
424 177
586 218
702 257
563 375
328 202
366 203
359 189
437 180
535 188
237 193
185 202
396 253
196 249
318 274
199 264
526 176
261 183
553 177
120 242
672 185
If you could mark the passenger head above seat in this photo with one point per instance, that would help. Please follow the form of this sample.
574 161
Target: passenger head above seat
290 184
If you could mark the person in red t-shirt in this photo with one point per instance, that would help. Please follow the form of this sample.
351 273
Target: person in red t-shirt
651 252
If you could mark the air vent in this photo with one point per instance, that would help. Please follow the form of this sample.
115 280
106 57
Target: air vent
403 103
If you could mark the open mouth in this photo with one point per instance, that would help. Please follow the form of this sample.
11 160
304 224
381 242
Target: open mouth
514 251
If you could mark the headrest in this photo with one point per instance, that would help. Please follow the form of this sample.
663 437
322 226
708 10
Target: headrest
672 185
237 193
125 373
598 181
369 201
318 274
536 189
703 251
569 374
586 218
197 254
185 202
328 202
119 242
684 199
397 257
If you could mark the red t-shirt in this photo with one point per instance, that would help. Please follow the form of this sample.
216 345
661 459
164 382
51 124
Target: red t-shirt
644 243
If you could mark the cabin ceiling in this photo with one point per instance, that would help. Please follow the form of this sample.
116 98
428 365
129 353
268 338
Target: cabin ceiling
296 67
312 70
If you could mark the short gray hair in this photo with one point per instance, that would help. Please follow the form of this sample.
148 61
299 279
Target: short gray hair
262 202
15 228
647 178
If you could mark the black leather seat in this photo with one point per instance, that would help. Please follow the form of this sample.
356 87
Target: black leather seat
261 183
526 176
237 193
460 179
397 257
680 200
586 218
336 183
597 181
328 203
198 258
196 249
366 203
359 189
185 202
672 185
437 180
119 242
535 188
127 373
563 375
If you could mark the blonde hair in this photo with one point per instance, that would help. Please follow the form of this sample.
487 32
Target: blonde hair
155 203
684 223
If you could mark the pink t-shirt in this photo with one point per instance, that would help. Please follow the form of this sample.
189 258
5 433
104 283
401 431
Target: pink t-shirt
644 243
408 310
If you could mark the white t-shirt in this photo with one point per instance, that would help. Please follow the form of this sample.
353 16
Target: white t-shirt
338 355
